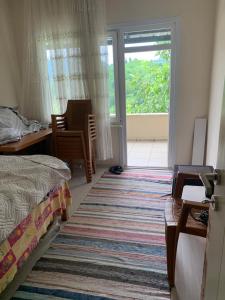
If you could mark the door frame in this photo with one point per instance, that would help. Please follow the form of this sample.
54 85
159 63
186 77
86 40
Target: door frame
173 25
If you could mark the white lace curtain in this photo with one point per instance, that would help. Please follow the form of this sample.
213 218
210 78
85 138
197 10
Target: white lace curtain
66 58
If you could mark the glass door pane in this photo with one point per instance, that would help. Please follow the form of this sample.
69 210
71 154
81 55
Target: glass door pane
111 77
147 81
147 78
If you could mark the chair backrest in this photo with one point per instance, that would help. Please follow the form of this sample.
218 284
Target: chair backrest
76 113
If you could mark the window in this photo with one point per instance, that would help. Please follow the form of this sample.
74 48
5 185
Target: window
113 76
65 76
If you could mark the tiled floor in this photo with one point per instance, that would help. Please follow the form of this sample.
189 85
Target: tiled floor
147 153
78 184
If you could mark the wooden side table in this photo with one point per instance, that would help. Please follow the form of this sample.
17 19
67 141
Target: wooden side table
192 170
26 141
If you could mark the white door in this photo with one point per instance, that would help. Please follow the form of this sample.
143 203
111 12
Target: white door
128 39
213 287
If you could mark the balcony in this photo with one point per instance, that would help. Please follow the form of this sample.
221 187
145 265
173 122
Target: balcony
147 140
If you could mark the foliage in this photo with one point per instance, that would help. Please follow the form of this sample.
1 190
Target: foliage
111 89
147 84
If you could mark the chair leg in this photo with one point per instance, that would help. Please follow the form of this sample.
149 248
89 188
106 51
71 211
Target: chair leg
88 170
93 163
65 215
93 166
171 256
93 157
89 164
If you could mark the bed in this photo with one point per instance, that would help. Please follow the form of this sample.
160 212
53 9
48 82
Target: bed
34 195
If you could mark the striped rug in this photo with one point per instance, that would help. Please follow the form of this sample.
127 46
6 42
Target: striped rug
113 247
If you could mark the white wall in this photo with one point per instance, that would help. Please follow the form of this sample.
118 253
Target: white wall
194 63
217 85
8 61
147 126
195 54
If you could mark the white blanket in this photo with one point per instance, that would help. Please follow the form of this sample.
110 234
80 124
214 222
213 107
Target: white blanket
24 182
13 126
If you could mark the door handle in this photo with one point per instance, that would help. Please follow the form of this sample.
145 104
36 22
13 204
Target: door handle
208 180
213 202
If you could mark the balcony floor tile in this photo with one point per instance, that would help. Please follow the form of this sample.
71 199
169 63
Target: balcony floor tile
147 153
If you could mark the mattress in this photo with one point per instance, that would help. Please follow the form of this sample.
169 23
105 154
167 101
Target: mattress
19 245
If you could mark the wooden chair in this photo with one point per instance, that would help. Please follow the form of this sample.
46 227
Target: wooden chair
178 219
74 134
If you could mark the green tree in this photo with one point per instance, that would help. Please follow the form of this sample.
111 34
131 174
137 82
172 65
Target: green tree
111 89
147 84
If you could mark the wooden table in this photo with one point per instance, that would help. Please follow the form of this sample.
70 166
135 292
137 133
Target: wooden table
26 141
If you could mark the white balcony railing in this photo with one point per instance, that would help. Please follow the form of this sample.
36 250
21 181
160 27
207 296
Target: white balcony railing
153 126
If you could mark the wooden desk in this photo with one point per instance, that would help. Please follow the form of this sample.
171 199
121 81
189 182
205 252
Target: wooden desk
26 141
